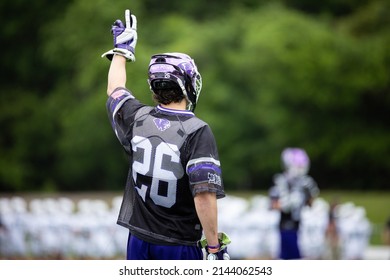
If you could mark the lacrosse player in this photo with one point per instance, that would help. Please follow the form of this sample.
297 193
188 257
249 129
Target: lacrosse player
292 190
174 177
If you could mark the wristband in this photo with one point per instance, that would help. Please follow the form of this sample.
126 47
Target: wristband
213 249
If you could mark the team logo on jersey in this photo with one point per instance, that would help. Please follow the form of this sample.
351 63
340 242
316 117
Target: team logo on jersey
214 179
162 124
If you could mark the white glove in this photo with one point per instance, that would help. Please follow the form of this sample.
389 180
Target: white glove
125 38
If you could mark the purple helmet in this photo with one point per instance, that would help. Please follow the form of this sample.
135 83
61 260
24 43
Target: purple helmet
168 70
295 161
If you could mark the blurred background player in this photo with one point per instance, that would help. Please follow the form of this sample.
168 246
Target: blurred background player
174 176
292 190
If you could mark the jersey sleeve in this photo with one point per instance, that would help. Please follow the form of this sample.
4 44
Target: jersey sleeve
311 188
273 193
278 182
203 167
121 108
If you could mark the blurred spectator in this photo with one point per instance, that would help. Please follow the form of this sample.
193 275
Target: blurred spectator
292 190
3 231
313 229
354 231
84 229
54 229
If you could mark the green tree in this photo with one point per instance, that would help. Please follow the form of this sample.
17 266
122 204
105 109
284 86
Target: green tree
275 75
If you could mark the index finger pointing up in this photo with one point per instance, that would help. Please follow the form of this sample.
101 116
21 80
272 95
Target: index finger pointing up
134 22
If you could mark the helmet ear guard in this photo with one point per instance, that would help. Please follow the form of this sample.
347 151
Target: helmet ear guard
168 69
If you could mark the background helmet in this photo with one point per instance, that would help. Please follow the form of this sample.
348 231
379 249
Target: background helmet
295 161
169 70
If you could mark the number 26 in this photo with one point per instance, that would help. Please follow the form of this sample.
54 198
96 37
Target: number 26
145 164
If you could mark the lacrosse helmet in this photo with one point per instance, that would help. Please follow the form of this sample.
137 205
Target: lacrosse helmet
295 161
169 70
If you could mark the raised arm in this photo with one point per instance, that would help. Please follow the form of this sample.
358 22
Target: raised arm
116 74
125 40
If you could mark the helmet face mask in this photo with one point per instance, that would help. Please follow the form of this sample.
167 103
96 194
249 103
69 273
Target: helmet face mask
167 69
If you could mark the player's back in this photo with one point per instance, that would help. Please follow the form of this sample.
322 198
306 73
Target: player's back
160 154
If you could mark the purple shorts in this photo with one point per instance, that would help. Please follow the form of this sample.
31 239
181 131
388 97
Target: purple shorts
138 249
289 245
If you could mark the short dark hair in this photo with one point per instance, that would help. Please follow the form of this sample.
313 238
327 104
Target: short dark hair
167 96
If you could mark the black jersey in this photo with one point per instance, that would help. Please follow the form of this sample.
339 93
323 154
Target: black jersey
173 155
293 194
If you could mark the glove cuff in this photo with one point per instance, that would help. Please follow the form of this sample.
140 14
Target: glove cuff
119 51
